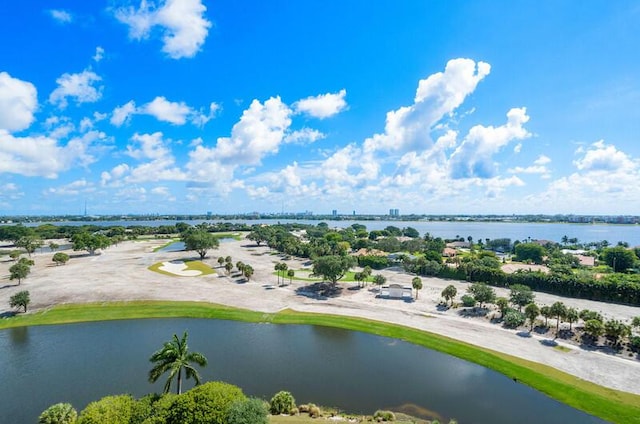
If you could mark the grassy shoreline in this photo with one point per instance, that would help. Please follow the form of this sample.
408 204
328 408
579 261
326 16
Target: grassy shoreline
609 404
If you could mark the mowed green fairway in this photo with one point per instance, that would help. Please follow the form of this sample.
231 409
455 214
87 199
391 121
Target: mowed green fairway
609 404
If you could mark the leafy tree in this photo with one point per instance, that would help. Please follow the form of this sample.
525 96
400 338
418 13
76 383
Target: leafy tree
558 310
221 261
571 316
60 413
110 409
594 328
248 411
200 241
60 258
503 305
291 273
545 311
15 254
410 232
359 278
635 323
619 258
521 295
530 252
587 315
53 246
282 402
514 319
228 266
332 268
209 403
90 242
532 311
29 243
449 293
379 279
19 271
239 265
228 259
173 358
482 293
615 330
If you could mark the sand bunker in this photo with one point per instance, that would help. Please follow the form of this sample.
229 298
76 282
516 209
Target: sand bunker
179 268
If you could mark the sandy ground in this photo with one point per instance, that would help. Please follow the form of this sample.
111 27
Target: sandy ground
120 273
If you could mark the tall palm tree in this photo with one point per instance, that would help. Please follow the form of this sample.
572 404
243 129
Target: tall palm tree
173 358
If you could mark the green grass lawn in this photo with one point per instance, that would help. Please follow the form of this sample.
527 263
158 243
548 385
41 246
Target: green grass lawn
609 404
191 265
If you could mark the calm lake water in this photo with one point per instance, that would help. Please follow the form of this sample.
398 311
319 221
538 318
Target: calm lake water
446 229
354 371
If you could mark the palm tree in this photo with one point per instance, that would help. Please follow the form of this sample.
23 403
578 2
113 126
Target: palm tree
416 283
173 358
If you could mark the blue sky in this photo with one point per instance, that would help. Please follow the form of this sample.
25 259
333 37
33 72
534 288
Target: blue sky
189 106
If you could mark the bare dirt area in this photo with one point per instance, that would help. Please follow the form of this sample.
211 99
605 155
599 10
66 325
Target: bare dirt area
121 273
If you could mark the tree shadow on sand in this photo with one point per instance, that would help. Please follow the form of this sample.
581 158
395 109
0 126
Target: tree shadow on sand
320 290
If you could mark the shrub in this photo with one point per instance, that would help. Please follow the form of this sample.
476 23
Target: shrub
303 408
468 301
110 409
282 403
248 411
384 416
634 343
60 413
514 319
144 408
314 411
208 403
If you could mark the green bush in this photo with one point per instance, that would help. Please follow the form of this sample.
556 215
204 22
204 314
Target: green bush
248 411
60 413
110 409
208 403
634 343
144 408
514 319
282 403
384 416
468 301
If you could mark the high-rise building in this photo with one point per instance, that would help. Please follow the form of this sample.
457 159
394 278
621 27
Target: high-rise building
394 212
334 212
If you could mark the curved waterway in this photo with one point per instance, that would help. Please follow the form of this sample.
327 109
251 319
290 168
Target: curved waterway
356 372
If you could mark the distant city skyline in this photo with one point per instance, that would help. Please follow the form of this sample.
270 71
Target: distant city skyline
428 107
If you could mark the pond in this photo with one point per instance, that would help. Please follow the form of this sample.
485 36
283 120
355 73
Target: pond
353 371
178 246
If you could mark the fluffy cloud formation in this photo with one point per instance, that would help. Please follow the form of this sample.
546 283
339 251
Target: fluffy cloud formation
259 132
18 102
61 16
99 55
182 23
72 189
439 95
158 163
602 157
539 167
304 136
473 158
322 106
78 86
177 113
43 156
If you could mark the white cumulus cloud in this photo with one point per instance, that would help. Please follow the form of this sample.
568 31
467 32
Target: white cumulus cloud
80 86
182 22
602 157
18 102
322 106
61 16
177 113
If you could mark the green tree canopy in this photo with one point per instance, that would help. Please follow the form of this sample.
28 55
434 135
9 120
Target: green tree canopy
110 409
449 293
90 242
416 283
200 241
29 243
521 295
248 411
619 258
174 357
332 268
531 311
60 258
530 251
20 300
60 413
19 271
482 293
